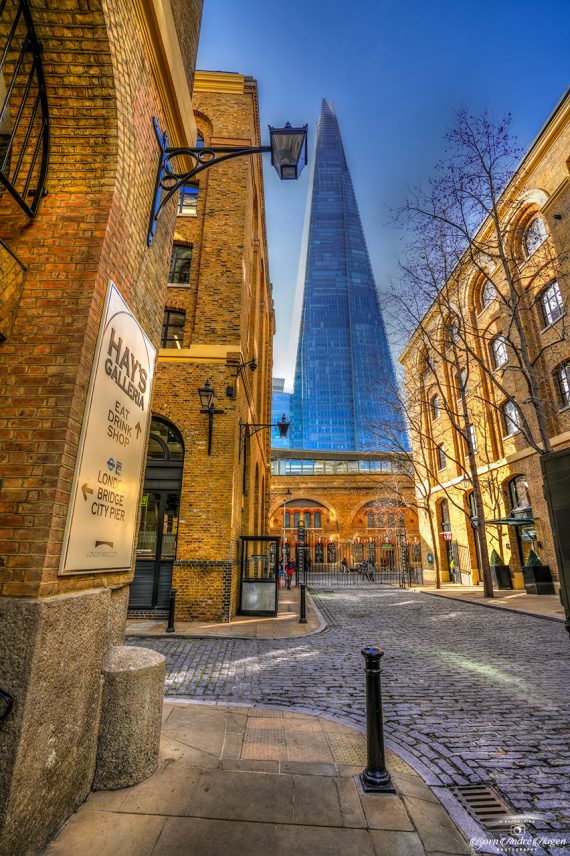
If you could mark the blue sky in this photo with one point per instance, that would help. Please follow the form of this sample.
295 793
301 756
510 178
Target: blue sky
396 69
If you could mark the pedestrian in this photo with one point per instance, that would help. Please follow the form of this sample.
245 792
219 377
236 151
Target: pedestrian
289 571
281 579
344 566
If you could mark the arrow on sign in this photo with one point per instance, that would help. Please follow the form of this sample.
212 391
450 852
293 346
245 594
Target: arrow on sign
85 489
138 429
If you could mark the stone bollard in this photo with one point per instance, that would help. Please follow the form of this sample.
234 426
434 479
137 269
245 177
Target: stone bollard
131 717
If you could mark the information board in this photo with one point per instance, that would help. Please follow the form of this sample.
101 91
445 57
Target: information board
101 523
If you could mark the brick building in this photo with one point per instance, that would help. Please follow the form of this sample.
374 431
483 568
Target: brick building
467 345
102 72
357 506
219 316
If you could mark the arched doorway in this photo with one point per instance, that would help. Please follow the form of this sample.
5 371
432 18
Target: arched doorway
158 528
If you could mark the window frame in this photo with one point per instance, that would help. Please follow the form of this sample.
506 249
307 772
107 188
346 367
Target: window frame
185 191
562 376
167 326
509 403
536 219
178 245
545 304
441 457
498 365
435 408
486 286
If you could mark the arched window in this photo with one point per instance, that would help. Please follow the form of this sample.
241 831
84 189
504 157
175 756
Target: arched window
287 520
307 519
165 441
380 521
390 520
370 520
199 140
499 353
488 294
535 235
188 200
296 519
435 408
441 457
520 496
551 304
511 418
562 375
318 524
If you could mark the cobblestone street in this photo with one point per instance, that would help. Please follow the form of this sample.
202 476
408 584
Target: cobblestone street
472 694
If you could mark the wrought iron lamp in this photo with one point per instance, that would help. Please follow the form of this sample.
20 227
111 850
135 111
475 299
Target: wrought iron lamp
288 148
248 429
207 396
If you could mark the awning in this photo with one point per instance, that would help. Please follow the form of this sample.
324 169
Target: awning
511 520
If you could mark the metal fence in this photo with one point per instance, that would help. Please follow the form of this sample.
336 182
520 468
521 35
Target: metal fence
339 576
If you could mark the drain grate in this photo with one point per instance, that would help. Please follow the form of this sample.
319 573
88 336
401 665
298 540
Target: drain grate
483 804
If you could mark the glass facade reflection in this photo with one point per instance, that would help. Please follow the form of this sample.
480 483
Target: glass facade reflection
344 378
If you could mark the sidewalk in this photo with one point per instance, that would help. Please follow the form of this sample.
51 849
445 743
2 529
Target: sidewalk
239 781
283 626
543 605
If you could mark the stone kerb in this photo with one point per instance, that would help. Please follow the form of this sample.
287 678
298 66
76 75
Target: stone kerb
129 736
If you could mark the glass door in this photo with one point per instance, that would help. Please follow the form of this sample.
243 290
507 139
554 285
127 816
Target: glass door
156 550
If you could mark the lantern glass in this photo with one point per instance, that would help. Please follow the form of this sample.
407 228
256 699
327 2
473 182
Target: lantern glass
206 394
288 150
283 426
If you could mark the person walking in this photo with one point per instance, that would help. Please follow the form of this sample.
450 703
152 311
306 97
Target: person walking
344 566
289 571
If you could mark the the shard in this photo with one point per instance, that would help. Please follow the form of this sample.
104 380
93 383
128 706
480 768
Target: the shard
344 378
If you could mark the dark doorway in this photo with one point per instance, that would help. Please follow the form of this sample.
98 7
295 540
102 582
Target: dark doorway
158 528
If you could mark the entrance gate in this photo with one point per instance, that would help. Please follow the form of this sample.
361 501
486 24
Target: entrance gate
158 529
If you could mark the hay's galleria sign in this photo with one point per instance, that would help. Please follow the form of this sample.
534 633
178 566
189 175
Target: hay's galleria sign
100 531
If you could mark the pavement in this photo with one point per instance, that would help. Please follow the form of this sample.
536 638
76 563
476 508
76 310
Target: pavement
285 625
250 781
471 695
543 605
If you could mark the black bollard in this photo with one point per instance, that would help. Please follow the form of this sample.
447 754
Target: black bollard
375 777
303 611
171 605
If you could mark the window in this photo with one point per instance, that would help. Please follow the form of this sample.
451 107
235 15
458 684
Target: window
307 519
428 366
473 438
441 458
188 200
499 352
488 294
287 520
454 331
318 520
435 410
199 140
562 373
551 303
389 520
370 520
172 329
512 417
380 521
535 235
296 519
461 382
180 263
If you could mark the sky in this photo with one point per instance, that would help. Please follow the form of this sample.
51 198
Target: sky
396 71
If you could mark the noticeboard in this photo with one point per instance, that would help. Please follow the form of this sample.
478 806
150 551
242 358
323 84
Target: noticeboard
101 523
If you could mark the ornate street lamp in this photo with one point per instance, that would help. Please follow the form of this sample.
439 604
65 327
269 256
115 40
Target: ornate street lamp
207 396
248 429
288 149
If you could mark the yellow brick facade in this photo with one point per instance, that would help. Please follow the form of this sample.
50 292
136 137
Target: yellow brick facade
228 320
540 190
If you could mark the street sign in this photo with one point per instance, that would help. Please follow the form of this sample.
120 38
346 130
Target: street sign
100 531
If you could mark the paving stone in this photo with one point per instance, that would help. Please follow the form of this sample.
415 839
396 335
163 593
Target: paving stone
434 827
98 833
350 805
184 836
236 795
170 792
388 843
385 811
313 840
317 801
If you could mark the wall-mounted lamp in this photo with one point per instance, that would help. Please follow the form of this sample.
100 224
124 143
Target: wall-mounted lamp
207 396
248 429
288 147
252 364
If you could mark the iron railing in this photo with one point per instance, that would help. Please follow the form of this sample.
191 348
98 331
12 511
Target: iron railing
24 118
340 576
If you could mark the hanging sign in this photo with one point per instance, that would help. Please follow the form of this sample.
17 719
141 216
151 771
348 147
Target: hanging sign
101 523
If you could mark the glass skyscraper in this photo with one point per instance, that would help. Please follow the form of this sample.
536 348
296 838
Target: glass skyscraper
344 377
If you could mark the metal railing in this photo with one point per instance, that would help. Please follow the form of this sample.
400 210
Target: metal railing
24 118
340 576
